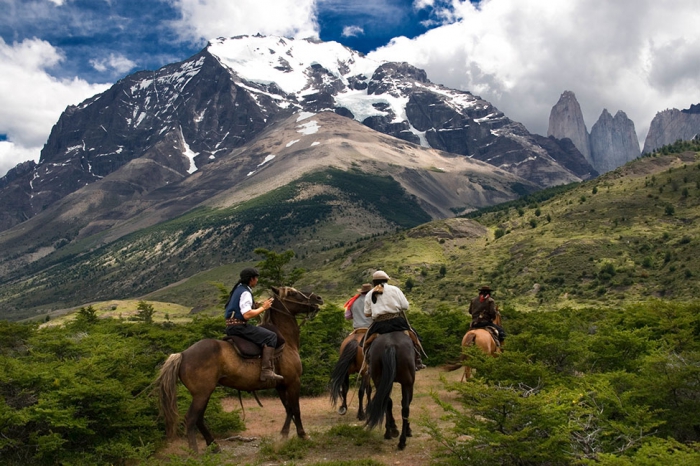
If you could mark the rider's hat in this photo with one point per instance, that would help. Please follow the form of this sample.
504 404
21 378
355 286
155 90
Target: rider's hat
380 275
485 289
365 288
248 273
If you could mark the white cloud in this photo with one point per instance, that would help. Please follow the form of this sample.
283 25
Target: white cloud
208 19
352 31
115 61
31 100
639 56
11 155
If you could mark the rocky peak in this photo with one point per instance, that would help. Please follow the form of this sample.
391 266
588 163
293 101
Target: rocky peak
671 125
566 121
613 141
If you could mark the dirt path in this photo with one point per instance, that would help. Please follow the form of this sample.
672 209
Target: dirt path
318 416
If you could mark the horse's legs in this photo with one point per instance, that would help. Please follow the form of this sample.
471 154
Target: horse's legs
391 430
282 392
294 411
406 398
195 419
344 394
361 394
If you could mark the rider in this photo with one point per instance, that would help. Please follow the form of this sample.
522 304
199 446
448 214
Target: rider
239 309
387 304
355 308
484 311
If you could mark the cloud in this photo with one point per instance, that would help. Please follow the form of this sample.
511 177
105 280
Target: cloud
352 31
31 100
639 56
208 19
115 61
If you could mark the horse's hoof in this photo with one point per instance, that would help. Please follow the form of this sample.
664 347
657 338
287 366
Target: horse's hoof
402 445
342 411
394 433
387 435
361 417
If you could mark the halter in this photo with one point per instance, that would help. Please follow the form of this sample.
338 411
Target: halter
309 315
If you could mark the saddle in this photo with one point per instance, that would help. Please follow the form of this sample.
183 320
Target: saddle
249 350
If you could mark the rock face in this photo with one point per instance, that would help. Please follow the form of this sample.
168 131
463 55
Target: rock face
613 141
186 115
671 125
566 121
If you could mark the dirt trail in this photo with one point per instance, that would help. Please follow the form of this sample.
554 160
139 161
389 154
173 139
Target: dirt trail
318 416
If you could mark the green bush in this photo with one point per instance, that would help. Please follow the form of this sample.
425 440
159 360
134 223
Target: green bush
587 386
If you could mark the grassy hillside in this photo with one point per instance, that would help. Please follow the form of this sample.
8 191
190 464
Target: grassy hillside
627 236
315 213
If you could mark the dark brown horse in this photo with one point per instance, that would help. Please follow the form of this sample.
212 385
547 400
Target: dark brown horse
210 362
391 359
350 362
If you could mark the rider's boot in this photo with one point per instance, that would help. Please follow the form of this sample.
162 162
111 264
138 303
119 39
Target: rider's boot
419 360
267 372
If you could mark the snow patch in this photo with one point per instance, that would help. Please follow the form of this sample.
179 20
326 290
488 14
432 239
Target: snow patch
190 154
315 143
305 115
309 128
291 143
267 159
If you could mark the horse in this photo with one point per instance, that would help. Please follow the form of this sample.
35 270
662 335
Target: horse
210 362
391 359
350 362
484 340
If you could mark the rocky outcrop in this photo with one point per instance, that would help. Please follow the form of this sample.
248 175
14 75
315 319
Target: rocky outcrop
566 121
613 141
671 125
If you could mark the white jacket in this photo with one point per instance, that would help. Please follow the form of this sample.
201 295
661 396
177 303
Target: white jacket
392 301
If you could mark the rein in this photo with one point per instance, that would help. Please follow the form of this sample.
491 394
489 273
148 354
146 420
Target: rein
309 315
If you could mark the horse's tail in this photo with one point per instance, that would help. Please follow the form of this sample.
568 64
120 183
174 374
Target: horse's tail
378 405
167 391
340 371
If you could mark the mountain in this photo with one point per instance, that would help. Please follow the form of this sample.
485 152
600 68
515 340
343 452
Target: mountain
613 141
671 125
309 182
566 122
188 114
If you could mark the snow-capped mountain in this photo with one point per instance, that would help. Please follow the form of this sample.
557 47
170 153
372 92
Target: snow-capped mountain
186 115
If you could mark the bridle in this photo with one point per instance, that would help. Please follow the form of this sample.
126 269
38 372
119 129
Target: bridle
285 310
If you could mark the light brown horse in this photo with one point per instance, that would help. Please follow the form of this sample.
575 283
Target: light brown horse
209 363
350 362
483 339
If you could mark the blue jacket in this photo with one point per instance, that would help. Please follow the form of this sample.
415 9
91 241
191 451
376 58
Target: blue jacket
233 306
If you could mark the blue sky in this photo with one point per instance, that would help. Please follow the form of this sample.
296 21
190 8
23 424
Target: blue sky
639 56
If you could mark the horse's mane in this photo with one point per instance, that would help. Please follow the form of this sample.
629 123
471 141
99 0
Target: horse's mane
266 316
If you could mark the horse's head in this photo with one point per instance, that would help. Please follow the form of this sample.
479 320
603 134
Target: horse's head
296 302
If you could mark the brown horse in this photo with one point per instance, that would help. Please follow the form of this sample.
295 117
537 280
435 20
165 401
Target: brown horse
210 362
350 362
484 340
391 359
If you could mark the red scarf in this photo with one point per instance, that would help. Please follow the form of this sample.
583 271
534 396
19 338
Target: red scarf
483 297
348 305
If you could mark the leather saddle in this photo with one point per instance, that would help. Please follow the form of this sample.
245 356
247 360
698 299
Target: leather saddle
249 350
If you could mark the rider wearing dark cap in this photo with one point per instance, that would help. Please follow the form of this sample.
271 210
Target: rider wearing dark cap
239 309
484 311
